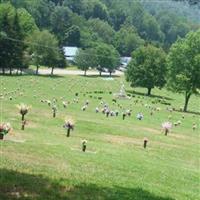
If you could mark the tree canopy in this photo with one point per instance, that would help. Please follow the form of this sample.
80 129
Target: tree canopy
106 57
127 40
11 40
154 22
47 52
184 66
86 59
60 21
147 68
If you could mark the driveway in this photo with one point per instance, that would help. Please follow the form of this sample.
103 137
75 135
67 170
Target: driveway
75 72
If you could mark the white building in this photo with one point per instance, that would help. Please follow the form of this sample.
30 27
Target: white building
70 53
124 62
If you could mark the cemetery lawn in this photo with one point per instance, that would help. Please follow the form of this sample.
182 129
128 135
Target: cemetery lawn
41 163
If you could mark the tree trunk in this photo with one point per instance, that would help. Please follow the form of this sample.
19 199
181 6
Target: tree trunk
3 70
85 72
20 70
22 117
187 97
37 70
149 92
110 73
52 70
84 148
10 70
1 136
100 73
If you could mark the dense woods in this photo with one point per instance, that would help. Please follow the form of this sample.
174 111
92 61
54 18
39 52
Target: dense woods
83 23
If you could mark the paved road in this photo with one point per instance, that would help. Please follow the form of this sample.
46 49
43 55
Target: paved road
75 72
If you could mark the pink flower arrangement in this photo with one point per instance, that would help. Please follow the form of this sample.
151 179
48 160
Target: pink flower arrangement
4 129
166 126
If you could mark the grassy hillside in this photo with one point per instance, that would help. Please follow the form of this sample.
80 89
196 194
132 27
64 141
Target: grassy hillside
41 163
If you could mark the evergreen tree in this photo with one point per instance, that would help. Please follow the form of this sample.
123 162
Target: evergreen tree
5 45
18 46
11 39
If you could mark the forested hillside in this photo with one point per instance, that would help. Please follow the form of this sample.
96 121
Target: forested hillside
83 22
126 25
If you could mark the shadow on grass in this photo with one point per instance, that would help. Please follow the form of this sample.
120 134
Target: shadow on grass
188 111
144 94
38 75
32 72
21 186
98 76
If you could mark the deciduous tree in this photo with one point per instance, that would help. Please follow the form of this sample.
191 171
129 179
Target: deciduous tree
85 59
147 68
183 64
45 50
107 57
127 40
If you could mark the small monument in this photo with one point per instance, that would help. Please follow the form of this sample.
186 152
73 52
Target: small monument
122 93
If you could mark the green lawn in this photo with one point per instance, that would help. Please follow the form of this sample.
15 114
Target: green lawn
41 163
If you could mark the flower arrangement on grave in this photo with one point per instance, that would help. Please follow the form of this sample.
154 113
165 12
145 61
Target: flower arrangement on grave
166 127
54 109
4 129
23 110
139 116
84 145
69 125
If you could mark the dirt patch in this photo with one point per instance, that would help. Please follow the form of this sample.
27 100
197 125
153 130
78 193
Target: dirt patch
161 144
36 160
151 130
122 139
31 124
15 140
13 119
51 144
18 193
87 151
160 132
14 137
178 136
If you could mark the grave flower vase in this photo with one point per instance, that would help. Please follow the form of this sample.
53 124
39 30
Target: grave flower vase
68 132
1 136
